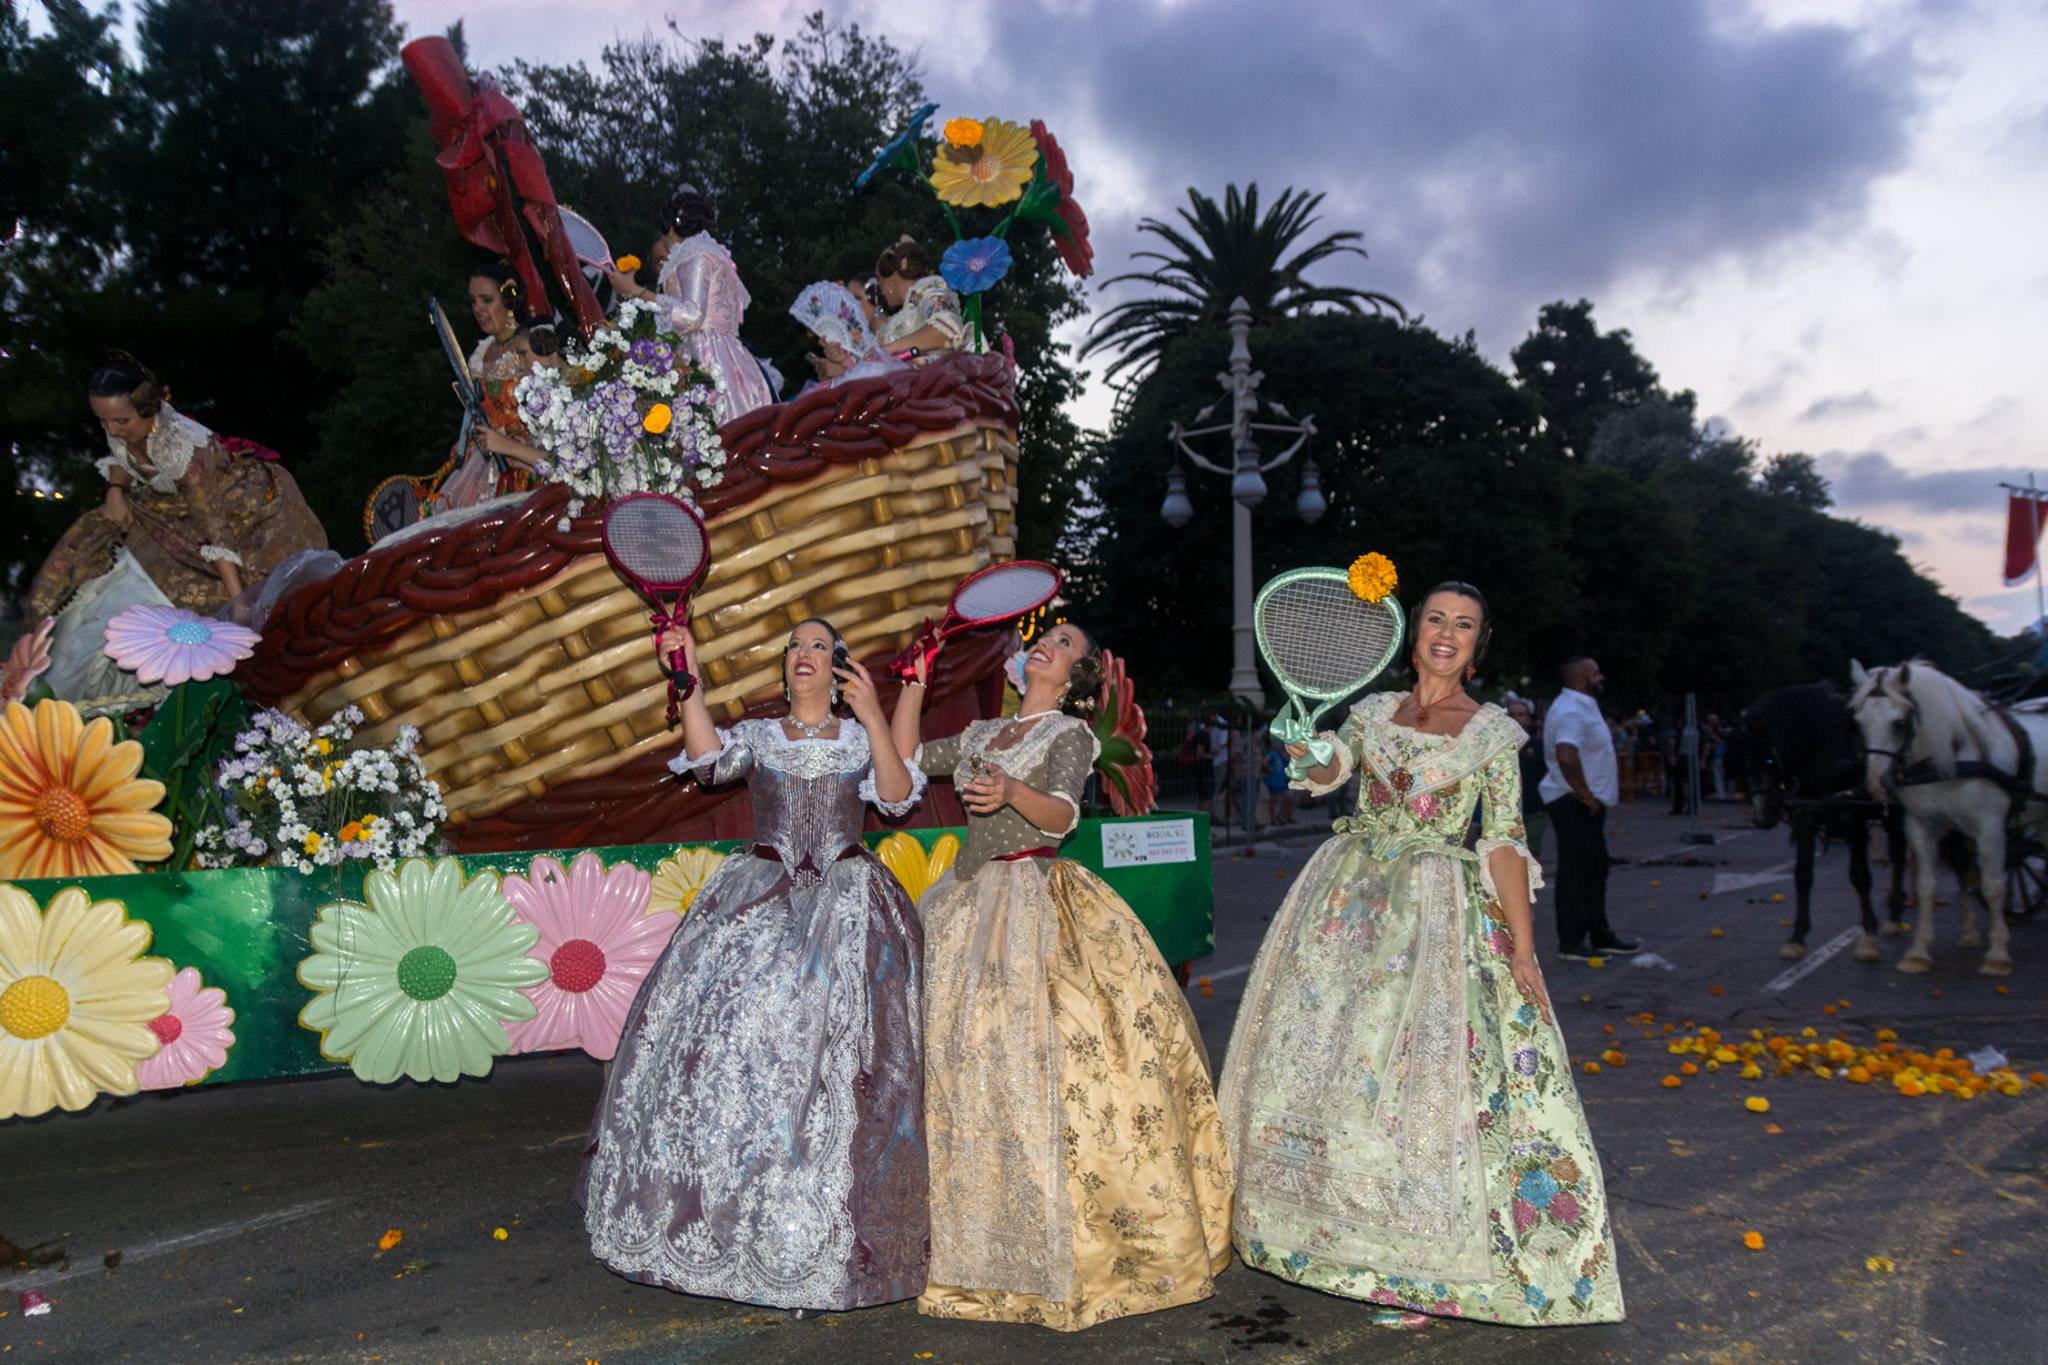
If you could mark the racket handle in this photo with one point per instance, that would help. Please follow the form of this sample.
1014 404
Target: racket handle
1291 729
925 646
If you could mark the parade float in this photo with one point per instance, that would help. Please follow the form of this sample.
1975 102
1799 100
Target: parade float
423 818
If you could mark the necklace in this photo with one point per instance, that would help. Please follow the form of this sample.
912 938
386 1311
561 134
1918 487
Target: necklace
1422 707
809 731
1010 731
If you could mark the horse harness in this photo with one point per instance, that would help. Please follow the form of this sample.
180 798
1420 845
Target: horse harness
2018 787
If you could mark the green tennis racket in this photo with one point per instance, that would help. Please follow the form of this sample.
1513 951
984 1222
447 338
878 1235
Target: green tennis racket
1323 642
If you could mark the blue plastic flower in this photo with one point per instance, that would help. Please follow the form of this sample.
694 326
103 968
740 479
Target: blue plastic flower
1538 1188
897 146
975 264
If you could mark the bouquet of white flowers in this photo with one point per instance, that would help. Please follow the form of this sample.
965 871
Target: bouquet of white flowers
626 412
306 798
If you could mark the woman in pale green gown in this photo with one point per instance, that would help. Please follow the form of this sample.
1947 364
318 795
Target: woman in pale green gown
1397 1098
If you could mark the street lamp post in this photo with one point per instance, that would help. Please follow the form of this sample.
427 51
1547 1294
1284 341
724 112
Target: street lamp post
1246 473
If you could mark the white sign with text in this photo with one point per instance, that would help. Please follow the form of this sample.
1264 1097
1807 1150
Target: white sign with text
1148 845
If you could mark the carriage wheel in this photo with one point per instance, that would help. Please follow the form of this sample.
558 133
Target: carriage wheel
2026 876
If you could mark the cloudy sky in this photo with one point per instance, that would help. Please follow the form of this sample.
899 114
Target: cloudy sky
1821 215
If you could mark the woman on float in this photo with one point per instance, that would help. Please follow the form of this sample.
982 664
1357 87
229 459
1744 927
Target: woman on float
501 456
1397 1096
761 1136
924 318
700 289
1078 1166
203 523
830 312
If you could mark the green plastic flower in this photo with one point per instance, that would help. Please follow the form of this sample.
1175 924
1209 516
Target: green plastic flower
421 981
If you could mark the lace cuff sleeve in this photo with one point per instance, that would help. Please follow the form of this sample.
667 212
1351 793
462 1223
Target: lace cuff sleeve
1346 765
730 761
894 809
214 553
1486 848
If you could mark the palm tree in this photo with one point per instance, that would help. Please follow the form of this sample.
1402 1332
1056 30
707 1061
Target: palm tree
1225 252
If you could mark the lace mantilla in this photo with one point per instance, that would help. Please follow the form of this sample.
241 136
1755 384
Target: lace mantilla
174 439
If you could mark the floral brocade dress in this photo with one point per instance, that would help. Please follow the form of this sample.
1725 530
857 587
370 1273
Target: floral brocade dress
1078 1171
1404 1123
479 475
761 1137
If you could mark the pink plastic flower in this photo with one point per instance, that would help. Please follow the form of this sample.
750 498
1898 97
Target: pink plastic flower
598 942
193 1036
26 662
171 645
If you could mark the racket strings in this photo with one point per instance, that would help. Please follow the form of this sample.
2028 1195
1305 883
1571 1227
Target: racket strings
1320 637
658 543
1009 591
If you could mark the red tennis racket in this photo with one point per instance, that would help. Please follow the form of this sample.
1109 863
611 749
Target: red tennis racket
658 544
986 597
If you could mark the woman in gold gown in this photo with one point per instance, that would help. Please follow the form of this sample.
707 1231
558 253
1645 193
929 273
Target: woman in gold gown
1078 1171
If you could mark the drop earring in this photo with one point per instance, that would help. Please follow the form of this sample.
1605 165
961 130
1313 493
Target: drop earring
1471 672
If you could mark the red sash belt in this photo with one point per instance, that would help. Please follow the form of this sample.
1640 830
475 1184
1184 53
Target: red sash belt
805 868
1044 851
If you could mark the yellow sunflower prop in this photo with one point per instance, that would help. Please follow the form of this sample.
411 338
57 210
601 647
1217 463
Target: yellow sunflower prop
71 804
76 998
992 171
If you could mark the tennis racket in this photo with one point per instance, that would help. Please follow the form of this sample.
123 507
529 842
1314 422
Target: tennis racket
464 384
394 505
658 544
1323 642
584 238
986 597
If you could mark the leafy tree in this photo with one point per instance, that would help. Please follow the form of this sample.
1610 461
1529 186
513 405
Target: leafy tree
1798 479
202 181
1423 451
1226 252
1580 375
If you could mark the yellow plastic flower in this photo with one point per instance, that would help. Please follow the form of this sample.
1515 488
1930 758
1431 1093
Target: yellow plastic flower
312 843
76 998
657 419
964 132
679 878
71 804
627 263
994 171
1373 578
903 855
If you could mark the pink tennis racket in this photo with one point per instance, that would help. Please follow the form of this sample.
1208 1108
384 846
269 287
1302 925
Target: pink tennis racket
658 544
986 597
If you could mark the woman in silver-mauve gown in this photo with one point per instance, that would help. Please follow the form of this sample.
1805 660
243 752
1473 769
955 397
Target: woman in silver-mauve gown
761 1137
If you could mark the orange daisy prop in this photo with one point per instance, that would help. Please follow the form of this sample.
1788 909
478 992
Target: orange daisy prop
71 804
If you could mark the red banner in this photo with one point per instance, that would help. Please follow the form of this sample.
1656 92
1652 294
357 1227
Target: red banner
2023 522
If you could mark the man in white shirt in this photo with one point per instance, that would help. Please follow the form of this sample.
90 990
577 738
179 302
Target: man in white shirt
1582 779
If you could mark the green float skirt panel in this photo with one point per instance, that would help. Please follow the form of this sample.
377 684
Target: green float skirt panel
245 929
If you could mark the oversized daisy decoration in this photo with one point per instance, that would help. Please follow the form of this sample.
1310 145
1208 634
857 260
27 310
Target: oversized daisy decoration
76 998
171 645
598 942
679 877
422 981
193 1036
903 855
71 804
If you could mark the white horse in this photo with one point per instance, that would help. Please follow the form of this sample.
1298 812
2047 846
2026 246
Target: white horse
1957 764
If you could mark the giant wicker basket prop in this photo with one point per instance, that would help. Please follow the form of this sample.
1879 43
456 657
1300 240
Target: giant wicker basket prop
528 666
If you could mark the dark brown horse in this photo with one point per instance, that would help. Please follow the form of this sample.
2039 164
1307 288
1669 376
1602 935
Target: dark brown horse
1801 756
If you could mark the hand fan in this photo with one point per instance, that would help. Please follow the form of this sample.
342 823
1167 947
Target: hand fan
986 597
584 238
658 544
1323 642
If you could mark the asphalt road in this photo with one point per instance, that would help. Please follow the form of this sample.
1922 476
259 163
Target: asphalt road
246 1219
